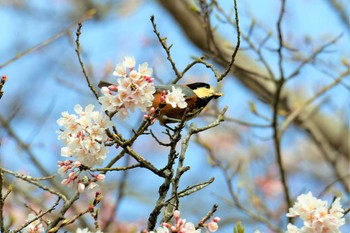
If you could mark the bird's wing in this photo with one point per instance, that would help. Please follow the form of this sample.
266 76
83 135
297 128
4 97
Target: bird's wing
186 90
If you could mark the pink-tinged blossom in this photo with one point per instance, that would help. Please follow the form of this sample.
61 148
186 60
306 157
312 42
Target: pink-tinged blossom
176 215
182 226
78 176
212 226
34 227
100 177
176 98
70 179
135 89
316 215
84 135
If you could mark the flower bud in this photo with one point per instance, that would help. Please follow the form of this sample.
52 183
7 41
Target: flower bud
81 187
100 177
176 214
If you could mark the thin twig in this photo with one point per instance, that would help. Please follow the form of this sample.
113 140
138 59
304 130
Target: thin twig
35 182
241 206
193 188
32 156
2 83
346 211
224 74
142 128
2 222
120 191
207 216
64 209
39 216
158 141
312 57
170 178
276 100
77 50
143 162
46 42
303 106
37 47
241 122
167 48
252 46
123 168
181 169
341 9
280 40
330 185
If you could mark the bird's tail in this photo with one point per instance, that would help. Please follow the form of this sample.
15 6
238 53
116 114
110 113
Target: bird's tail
104 84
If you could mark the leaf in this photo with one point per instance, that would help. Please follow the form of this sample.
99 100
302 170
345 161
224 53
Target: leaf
252 107
239 228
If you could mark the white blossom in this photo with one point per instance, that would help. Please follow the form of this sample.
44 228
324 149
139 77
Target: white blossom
34 227
316 215
84 135
175 97
135 89
144 70
129 62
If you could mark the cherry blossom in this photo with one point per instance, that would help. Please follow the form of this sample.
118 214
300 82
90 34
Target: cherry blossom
316 214
34 227
135 89
182 226
176 98
84 135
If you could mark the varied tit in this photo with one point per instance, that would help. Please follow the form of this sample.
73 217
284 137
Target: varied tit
197 96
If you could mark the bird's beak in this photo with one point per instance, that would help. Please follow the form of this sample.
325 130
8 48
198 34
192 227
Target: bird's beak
217 95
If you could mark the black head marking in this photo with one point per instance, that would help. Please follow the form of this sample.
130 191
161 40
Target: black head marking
194 86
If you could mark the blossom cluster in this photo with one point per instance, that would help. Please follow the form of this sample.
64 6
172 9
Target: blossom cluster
181 226
74 170
317 215
84 135
134 89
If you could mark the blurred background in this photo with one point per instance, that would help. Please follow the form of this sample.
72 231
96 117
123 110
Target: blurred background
37 54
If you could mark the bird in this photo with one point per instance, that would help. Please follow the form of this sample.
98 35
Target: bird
197 95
